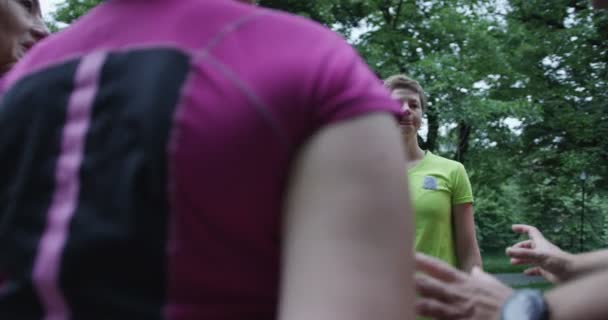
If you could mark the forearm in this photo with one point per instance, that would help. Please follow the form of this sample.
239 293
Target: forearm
467 249
469 258
588 262
581 299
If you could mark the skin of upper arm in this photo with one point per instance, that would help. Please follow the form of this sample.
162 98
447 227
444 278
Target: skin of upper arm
467 248
583 298
348 231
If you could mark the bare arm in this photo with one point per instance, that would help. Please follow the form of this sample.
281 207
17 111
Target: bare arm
581 299
549 260
446 293
588 262
467 248
347 244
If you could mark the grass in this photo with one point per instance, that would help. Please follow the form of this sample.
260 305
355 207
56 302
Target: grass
498 262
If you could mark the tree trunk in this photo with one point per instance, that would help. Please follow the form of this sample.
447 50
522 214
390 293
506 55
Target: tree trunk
433 133
464 131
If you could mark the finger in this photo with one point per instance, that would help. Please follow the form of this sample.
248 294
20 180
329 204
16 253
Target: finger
488 306
527 244
523 254
429 287
520 228
438 269
519 262
534 271
531 231
440 311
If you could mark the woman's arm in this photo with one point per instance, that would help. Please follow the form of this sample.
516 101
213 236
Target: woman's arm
446 293
584 298
548 260
467 248
589 262
348 233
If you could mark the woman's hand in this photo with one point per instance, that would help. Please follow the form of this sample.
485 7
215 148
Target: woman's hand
450 294
545 258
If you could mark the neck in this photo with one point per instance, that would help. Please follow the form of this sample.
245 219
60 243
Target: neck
412 149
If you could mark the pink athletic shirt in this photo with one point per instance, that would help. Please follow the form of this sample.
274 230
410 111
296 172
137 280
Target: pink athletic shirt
145 152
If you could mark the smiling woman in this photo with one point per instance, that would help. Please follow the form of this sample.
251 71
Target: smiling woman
21 28
440 188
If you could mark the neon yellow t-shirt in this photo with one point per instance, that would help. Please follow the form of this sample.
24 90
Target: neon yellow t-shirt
436 184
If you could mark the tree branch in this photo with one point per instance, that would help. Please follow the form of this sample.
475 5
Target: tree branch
385 9
397 13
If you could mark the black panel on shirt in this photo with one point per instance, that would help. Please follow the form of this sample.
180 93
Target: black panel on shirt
114 264
32 115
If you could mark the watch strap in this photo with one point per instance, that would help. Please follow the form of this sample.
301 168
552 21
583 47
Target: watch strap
526 304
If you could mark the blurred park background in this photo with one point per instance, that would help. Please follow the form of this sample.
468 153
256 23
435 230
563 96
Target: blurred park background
518 92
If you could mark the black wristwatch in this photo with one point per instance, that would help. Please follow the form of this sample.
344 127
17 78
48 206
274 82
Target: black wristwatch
525 305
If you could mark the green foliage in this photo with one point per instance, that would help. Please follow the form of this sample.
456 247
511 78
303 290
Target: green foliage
518 91
52 25
567 83
70 10
496 211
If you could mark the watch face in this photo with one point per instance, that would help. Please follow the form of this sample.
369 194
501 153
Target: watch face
525 305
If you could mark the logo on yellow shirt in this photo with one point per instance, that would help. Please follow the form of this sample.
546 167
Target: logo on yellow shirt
429 183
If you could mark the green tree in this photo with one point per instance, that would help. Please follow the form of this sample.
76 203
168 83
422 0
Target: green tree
70 10
517 91
566 80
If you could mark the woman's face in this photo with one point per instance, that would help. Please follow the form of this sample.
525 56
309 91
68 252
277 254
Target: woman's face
411 109
36 30
21 29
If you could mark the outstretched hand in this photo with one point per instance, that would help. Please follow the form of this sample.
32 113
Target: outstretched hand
546 259
447 293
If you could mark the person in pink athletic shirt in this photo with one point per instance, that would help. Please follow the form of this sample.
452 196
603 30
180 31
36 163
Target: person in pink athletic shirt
196 159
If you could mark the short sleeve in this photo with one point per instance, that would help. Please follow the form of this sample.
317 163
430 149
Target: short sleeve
461 187
346 87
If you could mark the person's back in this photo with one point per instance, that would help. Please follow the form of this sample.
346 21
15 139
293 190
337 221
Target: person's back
146 152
